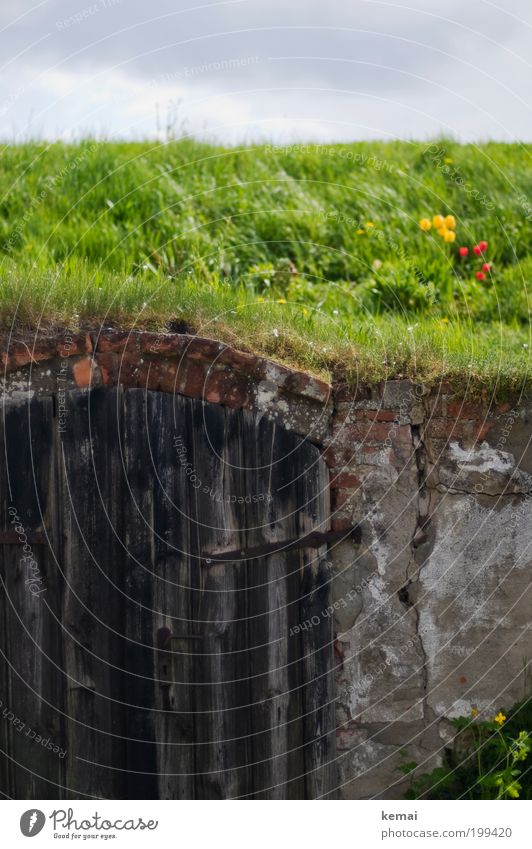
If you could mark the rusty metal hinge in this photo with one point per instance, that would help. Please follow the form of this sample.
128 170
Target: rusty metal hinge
315 539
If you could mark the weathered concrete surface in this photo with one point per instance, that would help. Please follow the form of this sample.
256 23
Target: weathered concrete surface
443 489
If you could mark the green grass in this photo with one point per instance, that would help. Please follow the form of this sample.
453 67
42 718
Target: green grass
149 234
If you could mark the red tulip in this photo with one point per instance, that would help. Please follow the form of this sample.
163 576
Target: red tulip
486 266
483 246
477 250
463 251
480 275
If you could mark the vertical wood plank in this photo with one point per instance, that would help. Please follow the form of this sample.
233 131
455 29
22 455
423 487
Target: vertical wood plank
93 608
176 650
141 423
273 581
319 725
222 687
32 704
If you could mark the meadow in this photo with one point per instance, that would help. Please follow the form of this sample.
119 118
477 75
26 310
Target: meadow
364 260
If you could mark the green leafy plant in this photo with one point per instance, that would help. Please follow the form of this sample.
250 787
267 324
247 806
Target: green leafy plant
488 759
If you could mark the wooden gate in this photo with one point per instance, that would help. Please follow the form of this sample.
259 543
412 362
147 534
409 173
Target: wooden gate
164 629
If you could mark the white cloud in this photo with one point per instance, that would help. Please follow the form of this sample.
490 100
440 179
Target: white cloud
270 69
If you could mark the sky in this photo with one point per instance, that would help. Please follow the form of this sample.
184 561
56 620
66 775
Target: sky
279 71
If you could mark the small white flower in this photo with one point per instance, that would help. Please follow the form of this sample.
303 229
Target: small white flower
275 332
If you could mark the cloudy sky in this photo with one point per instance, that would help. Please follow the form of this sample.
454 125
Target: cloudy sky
279 70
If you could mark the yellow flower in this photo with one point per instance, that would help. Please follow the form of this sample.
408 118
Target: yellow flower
305 311
260 300
369 225
425 224
450 236
360 232
438 221
281 300
444 320
474 711
442 231
500 719
448 160
450 222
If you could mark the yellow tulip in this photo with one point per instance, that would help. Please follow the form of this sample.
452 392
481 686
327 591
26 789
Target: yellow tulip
425 224
438 221
450 236
450 222
442 231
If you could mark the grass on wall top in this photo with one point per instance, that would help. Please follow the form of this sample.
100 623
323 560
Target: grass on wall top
312 253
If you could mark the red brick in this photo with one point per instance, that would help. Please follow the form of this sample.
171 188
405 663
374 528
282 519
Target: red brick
82 371
463 410
341 523
200 348
107 364
35 350
342 497
366 431
74 345
240 361
192 379
344 479
223 387
299 383
480 432
169 377
162 344
117 341
377 415
500 409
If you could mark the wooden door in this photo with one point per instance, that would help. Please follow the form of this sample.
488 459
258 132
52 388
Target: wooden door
181 646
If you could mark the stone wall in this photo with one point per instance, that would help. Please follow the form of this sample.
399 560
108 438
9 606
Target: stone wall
432 611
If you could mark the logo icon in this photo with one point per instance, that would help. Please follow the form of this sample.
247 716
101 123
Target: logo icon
32 822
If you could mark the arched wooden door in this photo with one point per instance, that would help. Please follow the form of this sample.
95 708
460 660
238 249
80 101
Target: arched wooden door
169 632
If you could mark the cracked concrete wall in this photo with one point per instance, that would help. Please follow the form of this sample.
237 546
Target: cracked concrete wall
441 622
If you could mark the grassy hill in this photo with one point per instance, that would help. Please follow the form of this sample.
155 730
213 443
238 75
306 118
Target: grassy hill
312 253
